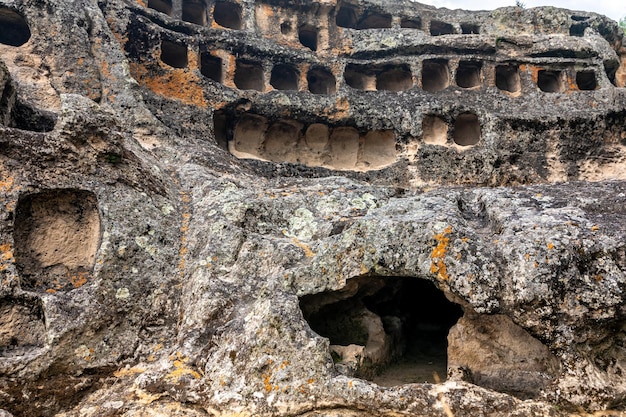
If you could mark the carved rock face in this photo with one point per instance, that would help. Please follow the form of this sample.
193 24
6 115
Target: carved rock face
277 208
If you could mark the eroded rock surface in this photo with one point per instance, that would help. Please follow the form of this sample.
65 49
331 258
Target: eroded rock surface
326 208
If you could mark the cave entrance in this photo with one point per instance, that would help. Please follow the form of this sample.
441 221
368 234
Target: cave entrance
390 330
14 30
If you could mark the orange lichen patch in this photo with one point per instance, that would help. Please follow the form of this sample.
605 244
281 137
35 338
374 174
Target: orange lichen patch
179 84
550 246
571 84
79 279
534 71
6 183
306 248
120 373
181 369
6 256
340 111
438 254
595 228
142 3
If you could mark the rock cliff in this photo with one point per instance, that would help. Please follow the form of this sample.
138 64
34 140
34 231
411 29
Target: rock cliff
310 208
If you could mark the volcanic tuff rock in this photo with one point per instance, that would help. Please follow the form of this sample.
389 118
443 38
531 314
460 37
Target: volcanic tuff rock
310 208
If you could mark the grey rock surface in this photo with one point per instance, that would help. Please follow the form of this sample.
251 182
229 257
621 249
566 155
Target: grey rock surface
281 208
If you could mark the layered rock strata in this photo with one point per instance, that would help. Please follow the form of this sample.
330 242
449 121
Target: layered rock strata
324 208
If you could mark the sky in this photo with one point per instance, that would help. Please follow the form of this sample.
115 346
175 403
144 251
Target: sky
615 9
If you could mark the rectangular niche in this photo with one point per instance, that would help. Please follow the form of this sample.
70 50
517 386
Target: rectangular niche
508 79
411 23
470 29
469 74
321 81
466 129
211 67
434 130
438 28
228 15
284 77
586 80
174 54
551 81
308 36
435 75
394 78
249 75
194 11
57 235
386 77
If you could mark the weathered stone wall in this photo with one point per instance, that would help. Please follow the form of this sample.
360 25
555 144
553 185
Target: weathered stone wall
325 208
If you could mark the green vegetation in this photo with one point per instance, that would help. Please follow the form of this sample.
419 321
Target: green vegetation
622 23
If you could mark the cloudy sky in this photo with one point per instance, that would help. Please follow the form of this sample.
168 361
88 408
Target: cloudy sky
615 9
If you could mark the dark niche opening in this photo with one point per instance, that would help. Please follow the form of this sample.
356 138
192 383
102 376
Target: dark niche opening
586 80
346 17
466 129
249 75
163 6
57 235
391 330
307 35
468 74
284 77
227 15
411 23
550 81
374 20
321 81
359 77
470 29
285 28
435 75
211 67
174 54
194 11
14 30
26 116
438 28
220 129
578 29
394 78
507 78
